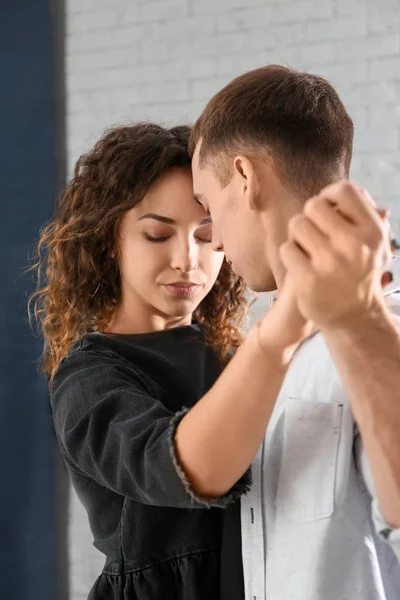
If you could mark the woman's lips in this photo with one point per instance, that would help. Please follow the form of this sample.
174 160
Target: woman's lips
182 290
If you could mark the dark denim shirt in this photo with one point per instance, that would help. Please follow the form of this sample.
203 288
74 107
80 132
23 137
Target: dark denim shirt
116 401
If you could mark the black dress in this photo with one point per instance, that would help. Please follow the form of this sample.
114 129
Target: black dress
116 402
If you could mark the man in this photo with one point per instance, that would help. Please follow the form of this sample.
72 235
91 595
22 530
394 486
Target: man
264 145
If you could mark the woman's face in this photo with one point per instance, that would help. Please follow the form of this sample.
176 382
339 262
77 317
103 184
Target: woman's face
167 264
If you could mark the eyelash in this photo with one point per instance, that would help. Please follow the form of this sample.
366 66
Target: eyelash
155 239
164 239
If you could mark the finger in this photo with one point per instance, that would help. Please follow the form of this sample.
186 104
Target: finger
295 261
365 193
383 213
308 237
351 202
394 244
285 310
287 303
387 278
326 216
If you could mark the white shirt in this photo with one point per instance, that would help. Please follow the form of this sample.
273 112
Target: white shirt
308 529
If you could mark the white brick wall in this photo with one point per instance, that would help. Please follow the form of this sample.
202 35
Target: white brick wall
163 59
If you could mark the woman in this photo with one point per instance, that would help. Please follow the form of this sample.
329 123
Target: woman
140 315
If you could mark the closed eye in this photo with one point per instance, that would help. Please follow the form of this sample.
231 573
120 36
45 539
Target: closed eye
150 238
204 233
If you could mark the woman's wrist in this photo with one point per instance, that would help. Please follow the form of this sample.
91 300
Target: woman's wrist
277 354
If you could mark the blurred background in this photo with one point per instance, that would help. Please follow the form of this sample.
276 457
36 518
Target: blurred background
70 69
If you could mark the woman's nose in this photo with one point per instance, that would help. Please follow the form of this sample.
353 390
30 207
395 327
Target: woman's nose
185 257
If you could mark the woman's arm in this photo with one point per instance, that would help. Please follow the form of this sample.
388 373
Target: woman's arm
218 438
111 429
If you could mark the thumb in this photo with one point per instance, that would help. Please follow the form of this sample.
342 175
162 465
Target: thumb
367 196
291 326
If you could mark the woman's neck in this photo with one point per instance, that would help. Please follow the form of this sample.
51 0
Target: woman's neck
140 320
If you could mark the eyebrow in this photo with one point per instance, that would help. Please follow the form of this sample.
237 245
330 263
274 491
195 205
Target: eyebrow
169 221
158 218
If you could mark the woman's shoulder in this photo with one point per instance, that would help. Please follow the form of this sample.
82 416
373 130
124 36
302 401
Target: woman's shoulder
94 364
90 351
157 365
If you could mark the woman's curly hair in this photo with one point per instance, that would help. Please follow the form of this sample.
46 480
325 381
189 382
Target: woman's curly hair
78 287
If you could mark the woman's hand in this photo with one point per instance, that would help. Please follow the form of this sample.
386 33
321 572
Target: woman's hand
283 328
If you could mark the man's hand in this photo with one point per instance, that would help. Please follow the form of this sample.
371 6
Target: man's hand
336 254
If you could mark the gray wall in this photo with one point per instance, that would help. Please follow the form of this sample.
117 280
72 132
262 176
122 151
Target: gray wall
163 59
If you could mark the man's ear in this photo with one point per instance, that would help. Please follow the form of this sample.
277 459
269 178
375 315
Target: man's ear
247 180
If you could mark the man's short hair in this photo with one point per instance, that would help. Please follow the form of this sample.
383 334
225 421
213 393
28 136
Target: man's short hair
294 117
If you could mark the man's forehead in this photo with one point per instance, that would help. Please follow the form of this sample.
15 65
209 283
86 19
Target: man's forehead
203 176
199 173
196 156
203 172
199 198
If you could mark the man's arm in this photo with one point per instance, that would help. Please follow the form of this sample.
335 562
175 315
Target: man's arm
367 356
336 254
382 527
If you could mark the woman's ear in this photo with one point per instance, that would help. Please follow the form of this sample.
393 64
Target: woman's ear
114 253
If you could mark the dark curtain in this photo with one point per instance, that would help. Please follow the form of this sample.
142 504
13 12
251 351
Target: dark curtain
28 182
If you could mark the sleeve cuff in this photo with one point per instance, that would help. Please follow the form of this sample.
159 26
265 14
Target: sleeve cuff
240 488
385 531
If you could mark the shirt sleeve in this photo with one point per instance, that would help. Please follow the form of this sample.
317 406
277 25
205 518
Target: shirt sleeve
112 430
382 527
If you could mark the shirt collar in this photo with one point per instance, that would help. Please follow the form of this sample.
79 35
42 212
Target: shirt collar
394 285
